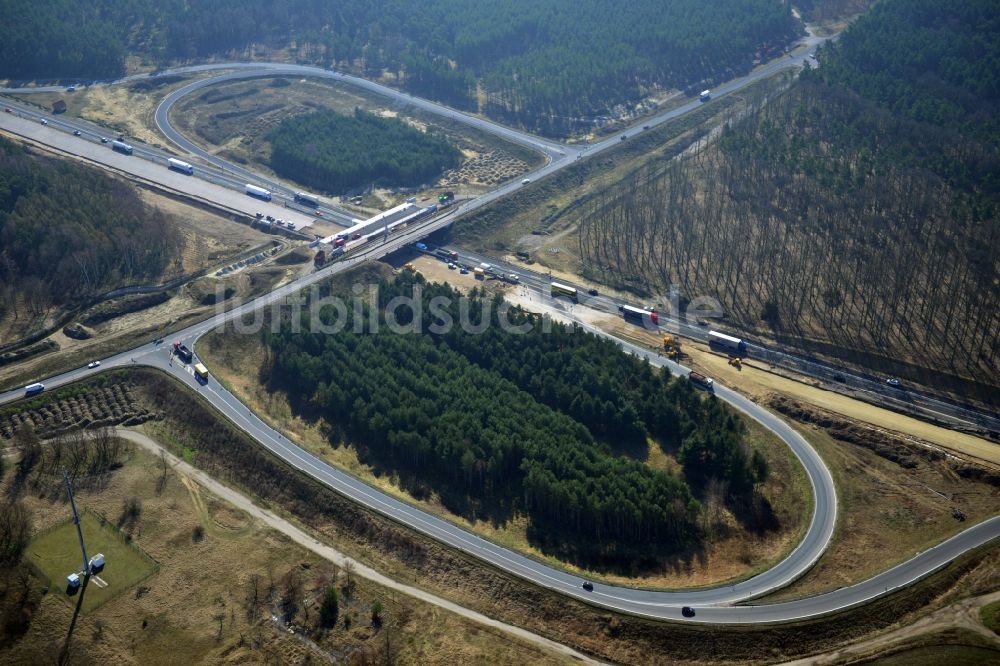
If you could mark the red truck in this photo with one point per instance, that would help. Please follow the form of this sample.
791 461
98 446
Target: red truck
183 352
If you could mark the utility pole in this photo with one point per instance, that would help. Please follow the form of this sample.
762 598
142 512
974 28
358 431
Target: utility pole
76 521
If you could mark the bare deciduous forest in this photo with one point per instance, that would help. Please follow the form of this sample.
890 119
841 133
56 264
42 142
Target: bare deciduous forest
812 242
840 240
825 215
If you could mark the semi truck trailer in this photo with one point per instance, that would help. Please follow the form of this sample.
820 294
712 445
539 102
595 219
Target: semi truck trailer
121 147
307 199
727 342
180 165
646 318
258 192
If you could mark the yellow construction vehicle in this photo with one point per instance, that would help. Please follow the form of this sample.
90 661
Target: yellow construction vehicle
736 362
672 346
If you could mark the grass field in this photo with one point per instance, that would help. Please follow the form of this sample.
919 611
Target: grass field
56 553
990 615
934 655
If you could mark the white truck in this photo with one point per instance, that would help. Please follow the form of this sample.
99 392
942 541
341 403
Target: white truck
727 342
180 165
705 95
258 192
121 147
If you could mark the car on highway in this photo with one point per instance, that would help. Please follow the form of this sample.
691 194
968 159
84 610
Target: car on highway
77 132
839 378
7 109
355 236
587 585
687 611
893 382
104 139
592 292
44 121
464 270
94 364
525 181
451 266
420 246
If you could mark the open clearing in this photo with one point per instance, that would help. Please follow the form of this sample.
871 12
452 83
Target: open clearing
196 608
57 554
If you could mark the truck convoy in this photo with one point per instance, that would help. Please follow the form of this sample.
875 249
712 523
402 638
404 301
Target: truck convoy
701 380
646 318
727 342
258 192
307 199
179 165
183 352
121 147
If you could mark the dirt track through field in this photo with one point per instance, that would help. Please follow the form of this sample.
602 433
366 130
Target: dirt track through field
331 554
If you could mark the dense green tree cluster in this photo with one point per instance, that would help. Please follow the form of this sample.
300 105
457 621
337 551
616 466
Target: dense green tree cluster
332 152
506 420
546 63
68 232
934 62
63 38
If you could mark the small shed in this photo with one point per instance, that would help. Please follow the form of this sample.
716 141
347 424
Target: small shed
97 563
59 106
73 580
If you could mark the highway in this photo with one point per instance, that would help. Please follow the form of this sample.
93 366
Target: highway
714 605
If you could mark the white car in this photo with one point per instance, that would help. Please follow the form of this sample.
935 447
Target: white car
525 181
44 121
94 364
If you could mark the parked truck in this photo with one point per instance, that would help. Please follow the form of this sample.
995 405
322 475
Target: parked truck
727 342
701 380
182 166
183 352
121 147
446 255
258 192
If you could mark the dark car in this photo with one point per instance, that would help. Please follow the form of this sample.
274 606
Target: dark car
588 586
592 292
687 611
77 132
839 378
893 382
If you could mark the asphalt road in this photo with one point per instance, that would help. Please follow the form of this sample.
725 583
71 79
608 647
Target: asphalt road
713 604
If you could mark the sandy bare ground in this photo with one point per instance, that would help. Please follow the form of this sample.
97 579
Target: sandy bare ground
300 537
963 615
757 382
